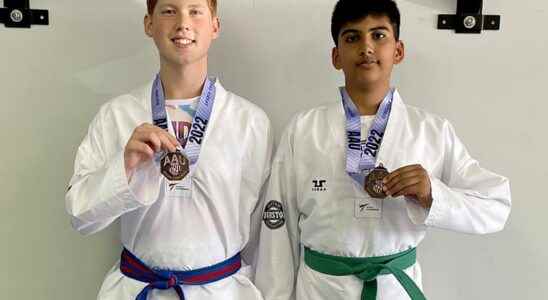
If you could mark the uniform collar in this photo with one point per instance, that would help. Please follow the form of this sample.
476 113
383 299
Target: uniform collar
143 94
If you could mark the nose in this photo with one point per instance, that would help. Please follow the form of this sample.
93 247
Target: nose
367 48
183 22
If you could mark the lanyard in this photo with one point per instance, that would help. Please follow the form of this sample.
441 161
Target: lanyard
199 122
361 158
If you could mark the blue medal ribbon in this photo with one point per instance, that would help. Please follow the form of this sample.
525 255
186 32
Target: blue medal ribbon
361 158
199 122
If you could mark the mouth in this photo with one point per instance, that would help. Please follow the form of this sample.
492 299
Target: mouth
367 62
182 42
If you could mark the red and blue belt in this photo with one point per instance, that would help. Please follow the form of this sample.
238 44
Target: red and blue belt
134 268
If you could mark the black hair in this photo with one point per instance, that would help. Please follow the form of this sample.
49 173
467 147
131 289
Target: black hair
347 11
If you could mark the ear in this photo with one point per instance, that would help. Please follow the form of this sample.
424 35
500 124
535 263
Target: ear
147 22
399 54
335 58
216 27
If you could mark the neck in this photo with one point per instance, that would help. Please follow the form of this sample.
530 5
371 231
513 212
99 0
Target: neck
183 82
367 99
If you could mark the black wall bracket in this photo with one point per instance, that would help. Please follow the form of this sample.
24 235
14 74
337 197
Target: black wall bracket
17 13
469 18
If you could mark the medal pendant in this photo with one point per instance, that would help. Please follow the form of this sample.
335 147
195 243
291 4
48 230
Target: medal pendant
174 166
373 182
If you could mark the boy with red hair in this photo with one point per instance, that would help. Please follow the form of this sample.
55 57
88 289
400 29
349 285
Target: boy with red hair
181 163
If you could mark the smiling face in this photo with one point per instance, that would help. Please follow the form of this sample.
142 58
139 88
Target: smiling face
367 51
182 31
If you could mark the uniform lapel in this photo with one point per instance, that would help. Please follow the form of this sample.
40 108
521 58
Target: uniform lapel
337 125
390 148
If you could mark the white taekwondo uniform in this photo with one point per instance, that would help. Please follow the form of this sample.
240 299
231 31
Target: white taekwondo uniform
209 225
318 197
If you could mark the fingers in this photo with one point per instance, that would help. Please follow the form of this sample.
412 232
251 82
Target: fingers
401 178
151 139
144 142
136 147
407 186
135 153
400 171
410 180
169 140
157 138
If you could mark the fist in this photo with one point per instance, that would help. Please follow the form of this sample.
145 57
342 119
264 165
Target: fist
410 181
145 141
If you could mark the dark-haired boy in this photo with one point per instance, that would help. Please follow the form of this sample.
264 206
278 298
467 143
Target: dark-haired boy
180 162
355 184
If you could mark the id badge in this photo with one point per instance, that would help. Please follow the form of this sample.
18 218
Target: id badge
368 208
178 189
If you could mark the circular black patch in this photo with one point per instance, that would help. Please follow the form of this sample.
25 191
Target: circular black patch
273 215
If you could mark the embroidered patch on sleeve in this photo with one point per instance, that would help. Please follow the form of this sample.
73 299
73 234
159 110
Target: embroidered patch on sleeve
273 215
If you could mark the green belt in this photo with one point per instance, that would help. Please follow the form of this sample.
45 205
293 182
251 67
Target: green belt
367 269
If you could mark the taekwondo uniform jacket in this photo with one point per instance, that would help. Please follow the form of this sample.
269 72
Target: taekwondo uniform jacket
317 198
210 224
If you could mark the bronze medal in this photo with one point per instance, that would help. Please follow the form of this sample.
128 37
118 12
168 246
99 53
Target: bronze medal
174 166
373 182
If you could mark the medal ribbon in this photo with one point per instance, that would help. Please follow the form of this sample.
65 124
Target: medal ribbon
199 122
360 159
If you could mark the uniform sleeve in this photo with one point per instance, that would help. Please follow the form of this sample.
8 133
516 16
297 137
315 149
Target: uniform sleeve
98 191
257 171
467 198
279 248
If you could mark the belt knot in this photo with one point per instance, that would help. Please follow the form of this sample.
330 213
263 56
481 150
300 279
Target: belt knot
171 282
367 271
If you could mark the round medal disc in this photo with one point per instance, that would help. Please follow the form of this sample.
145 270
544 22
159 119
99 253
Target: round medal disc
174 166
373 182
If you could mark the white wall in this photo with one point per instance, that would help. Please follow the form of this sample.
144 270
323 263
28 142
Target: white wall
277 53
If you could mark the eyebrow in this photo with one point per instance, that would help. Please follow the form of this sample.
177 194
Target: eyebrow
197 5
352 30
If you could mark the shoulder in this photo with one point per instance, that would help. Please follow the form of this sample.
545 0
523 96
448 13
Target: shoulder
121 114
138 98
321 111
316 117
421 115
235 106
133 104
308 127
421 119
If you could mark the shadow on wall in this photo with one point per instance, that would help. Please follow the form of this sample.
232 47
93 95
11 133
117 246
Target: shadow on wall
261 57
122 57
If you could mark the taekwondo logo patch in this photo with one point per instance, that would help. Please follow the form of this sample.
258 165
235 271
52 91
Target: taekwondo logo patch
273 215
319 185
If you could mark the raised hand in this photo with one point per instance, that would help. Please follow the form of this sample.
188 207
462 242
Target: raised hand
410 181
145 141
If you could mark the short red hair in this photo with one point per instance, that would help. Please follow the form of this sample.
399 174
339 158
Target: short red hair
151 4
